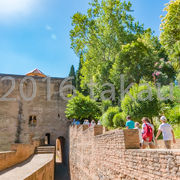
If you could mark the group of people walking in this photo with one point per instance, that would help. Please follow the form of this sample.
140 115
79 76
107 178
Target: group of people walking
92 123
146 133
86 122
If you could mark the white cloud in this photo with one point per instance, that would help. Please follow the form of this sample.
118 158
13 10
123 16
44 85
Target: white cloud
10 9
49 28
53 36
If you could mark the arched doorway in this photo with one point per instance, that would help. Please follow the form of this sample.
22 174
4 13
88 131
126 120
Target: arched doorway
60 149
47 138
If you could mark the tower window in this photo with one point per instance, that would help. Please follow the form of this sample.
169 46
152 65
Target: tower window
32 120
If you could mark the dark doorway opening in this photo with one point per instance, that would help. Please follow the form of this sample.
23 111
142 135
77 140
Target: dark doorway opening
47 138
61 168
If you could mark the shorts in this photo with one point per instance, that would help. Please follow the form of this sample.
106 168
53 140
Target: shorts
150 144
167 144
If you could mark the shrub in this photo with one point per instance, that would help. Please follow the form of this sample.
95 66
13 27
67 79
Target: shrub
141 102
178 77
165 93
107 117
105 105
173 115
176 129
119 120
82 107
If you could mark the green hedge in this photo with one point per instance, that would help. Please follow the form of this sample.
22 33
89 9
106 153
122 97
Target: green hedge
107 117
119 120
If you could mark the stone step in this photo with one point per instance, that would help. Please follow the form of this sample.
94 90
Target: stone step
44 152
45 149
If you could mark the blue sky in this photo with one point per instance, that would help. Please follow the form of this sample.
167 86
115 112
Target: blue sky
35 33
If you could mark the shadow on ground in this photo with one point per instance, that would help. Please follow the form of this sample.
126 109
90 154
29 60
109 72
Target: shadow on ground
61 172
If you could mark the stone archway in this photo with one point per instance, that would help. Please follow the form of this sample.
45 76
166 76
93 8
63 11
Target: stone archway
60 149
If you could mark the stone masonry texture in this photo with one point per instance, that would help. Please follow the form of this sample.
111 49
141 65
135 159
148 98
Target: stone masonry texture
115 155
14 115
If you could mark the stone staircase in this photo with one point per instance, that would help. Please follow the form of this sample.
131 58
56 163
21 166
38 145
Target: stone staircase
45 150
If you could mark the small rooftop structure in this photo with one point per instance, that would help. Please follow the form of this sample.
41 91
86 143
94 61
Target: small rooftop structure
36 72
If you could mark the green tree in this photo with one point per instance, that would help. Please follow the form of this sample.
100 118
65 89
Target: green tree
141 102
73 74
78 75
164 72
171 95
107 117
105 105
136 60
119 120
82 107
173 114
99 36
170 35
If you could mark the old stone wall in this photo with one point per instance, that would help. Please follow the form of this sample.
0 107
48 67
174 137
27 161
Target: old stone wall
47 107
18 154
161 145
45 172
115 155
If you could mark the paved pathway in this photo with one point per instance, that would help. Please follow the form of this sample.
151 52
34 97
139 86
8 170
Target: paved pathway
23 170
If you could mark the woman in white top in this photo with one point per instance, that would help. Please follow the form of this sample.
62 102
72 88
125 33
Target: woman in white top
167 132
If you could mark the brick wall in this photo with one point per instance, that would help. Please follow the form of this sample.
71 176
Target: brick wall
161 145
115 155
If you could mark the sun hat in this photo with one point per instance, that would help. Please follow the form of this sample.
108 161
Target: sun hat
163 118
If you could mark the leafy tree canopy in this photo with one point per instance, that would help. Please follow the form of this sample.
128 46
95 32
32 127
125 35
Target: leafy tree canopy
73 74
141 102
170 36
99 36
82 107
136 60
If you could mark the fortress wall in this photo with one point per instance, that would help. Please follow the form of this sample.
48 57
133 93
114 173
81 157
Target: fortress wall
45 172
161 145
115 155
14 114
18 154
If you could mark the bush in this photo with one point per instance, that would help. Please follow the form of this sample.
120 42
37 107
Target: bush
173 115
138 105
119 120
165 93
105 105
176 129
82 107
178 77
107 117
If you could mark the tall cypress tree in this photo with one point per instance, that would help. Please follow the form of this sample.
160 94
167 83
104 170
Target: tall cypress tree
85 90
78 75
73 74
